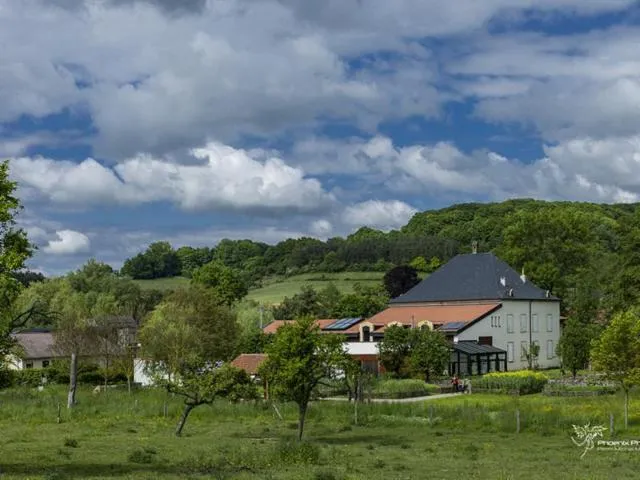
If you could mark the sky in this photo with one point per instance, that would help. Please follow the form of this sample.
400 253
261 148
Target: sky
133 121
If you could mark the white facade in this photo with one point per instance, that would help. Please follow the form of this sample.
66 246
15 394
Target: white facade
139 375
361 348
517 323
16 363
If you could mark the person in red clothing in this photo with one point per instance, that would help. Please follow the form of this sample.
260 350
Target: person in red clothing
456 383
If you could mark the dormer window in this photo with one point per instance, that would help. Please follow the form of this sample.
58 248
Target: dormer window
366 333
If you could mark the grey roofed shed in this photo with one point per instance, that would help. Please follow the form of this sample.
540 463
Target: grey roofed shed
474 276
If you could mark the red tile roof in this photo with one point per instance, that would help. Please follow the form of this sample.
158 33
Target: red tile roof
436 314
276 324
249 362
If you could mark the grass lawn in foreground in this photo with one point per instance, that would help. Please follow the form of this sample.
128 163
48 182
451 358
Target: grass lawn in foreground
121 436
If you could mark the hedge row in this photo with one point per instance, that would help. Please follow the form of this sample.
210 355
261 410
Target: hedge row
521 382
87 375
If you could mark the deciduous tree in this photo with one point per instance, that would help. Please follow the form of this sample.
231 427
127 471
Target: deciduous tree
400 279
394 349
430 353
200 383
299 358
617 353
227 283
575 344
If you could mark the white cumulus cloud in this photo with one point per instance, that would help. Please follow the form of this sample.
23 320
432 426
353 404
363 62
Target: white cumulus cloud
222 178
383 215
69 242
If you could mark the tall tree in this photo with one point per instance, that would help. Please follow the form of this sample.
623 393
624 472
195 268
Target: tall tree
227 283
15 250
617 353
299 358
575 344
400 279
430 353
189 325
394 349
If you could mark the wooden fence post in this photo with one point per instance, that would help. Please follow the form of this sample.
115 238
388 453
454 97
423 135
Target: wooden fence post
611 423
517 420
165 409
58 418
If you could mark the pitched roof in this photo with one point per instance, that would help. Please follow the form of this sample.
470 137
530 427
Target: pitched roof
249 362
276 324
36 345
480 276
436 314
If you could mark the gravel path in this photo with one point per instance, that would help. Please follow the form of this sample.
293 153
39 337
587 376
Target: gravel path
400 400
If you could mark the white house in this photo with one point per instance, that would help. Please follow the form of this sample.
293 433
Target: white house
491 314
36 350
511 313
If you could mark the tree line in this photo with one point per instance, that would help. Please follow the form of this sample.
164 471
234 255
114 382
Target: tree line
365 250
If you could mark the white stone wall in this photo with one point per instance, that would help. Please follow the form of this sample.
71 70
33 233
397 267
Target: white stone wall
496 326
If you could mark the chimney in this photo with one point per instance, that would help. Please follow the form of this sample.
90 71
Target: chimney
523 277
474 247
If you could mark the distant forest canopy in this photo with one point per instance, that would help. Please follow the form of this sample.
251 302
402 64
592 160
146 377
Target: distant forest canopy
577 250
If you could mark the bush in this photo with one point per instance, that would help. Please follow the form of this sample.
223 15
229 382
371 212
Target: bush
140 455
71 442
6 378
291 452
522 382
403 388
563 390
31 377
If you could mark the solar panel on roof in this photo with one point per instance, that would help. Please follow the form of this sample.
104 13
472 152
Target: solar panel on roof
342 324
453 326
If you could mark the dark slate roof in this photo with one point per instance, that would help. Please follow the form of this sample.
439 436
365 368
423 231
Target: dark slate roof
474 276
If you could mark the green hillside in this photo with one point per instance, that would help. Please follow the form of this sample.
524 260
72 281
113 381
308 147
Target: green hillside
275 289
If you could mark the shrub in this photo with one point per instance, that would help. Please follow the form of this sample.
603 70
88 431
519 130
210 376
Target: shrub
29 377
523 382
71 442
142 455
6 378
564 390
290 452
403 388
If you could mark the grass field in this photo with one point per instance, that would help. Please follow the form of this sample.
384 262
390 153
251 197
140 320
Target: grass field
275 289
472 437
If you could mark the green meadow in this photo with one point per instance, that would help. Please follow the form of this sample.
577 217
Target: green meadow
117 435
273 290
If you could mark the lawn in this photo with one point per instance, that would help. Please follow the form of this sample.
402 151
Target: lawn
275 289
121 436
163 283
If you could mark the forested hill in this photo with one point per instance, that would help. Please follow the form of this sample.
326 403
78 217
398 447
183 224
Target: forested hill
561 245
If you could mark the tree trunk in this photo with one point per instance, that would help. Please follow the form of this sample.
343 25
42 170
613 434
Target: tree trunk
626 408
73 380
302 414
183 419
129 384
